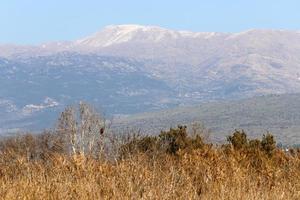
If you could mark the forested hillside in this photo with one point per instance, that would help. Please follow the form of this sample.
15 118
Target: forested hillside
279 114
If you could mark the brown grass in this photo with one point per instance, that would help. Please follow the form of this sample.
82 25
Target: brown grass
208 172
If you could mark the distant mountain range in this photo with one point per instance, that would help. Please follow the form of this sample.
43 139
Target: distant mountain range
128 69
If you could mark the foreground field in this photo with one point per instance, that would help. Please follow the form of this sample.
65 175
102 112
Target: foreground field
188 177
82 159
201 172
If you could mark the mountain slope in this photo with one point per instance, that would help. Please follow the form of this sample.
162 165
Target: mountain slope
278 114
39 88
127 69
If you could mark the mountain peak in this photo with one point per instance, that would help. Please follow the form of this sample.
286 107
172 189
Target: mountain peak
116 34
138 34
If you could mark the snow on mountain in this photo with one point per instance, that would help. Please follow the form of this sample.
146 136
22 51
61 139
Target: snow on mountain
117 34
111 35
153 42
48 103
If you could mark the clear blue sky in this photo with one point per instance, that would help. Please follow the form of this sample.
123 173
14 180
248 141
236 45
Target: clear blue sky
36 21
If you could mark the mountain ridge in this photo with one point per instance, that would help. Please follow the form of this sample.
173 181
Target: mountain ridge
146 69
112 32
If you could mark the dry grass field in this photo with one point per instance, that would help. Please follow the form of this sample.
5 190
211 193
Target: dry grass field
68 164
202 173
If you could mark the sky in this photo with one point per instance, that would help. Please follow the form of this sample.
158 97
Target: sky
36 21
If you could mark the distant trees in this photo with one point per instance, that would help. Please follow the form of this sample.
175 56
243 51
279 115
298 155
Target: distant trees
166 142
82 131
239 141
176 139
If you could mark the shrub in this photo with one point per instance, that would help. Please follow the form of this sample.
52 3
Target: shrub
166 142
268 144
146 144
174 139
238 140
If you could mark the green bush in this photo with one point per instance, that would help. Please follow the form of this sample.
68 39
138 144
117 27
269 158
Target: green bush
174 139
238 139
146 144
166 142
268 144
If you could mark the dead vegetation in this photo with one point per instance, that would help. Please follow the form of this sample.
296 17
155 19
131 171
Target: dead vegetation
83 160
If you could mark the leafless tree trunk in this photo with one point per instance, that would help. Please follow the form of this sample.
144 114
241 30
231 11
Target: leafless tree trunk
81 128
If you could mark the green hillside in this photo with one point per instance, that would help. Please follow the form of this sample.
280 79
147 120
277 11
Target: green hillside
279 114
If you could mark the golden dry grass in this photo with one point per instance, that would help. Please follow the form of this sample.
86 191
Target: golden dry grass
206 173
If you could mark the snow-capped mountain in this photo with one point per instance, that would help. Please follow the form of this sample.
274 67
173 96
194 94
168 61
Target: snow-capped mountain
128 69
114 35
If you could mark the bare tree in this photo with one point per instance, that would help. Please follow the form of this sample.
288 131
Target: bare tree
81 128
